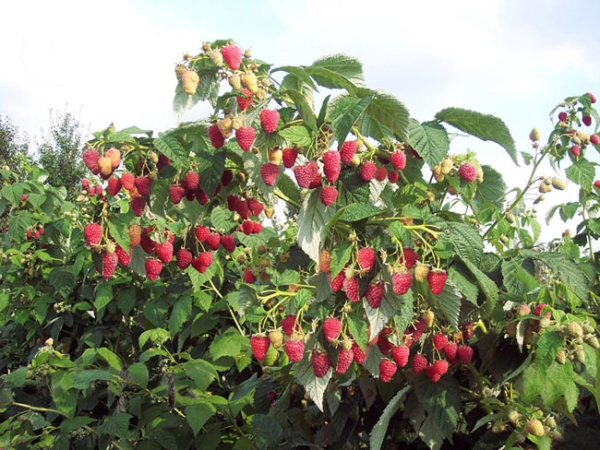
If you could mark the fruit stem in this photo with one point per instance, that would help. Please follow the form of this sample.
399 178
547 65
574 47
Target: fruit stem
285 198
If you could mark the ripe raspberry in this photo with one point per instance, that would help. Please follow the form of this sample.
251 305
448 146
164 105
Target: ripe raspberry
232 55
592 97
305 175
164 252
153 268
360 356
562 116
114 186
184 258
294 348
468 331
398 159
374 294
436 279
128 181
243 209
436 370
256 227
381 174
287 324
202 232
366 258
214 240
400 353
135 234
228 242
92 234
248 227
587 120
350 286
401 282
245 137
269 119
216 138
465 353
393 176
331 165
316 181
191 181
259 343
419 363
109 264
331 328
344 360
409 259
206 258
137 205
384 344
249 276
324 260
90 159
289 156
329 195
421 271
594 139
123 257
467 172
348 151
269 173
368 171
244 101
226 177
338 282
535 427
575 150
321 363
597 184
176 193
440 341
189 81
450 350
387 370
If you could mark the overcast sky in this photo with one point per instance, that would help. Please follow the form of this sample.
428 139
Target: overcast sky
112 61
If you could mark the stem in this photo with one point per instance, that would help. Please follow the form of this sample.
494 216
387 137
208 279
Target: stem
38 408
285 198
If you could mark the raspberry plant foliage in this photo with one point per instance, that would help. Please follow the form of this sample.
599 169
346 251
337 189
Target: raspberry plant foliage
495 333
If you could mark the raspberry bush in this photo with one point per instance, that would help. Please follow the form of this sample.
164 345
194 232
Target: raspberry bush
308 267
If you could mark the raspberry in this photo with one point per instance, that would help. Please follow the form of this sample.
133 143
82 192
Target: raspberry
592 97
214 240
137 205
316 181
184 258
114 186
105 165
324 260
398 160
401 282
400 353
202 232
381 174
350 286
535 427
164 252
259 343
597 184
409 258
419 363
331 165
269 173
128 181
226 177
329 195
436 279
92 234
228 242
135 234
387 370
153 268
366 258
244 101
248 227
467 172
384 344
109 264
348 151
440 341
360 356
594 139
464 353
142 185
249 80
216 138
344 360
294 348
562 116
249 276
189 81
421 271
467 330
90 159
191 181
269 119
176 193
368 171
331 328
289 156
163 161
243 209
393 176
338 282
305 174
321 363
575 150
205 258
374 294
436 370
256 227
276 338
245 137
587 120
287 324
232 55
123 257
450 350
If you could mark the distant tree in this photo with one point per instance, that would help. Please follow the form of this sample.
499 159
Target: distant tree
59 151
12 142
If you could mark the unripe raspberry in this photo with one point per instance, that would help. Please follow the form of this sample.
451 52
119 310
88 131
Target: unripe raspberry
535 427
574 330
535 135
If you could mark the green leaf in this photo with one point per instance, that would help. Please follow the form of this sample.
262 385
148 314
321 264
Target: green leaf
430 141
62 280
467 241
355 212
118 230
299 73
337 72
464 282
84 379
115 425
297 134
104 295
113 360
172 149
222 219
352 188
379 431
581 173
379 317
126 300
390 113
358 329
18 224
315 387
289 188
449 301
483 126
229 343
441 401
398 230
516 279
549 343
344 111
157 336
139 374
486 284
304 109
13 192
202 372
198 414
312 222
182 311
490 192
568 272
74 423
340 255
267 430
16 377
211 165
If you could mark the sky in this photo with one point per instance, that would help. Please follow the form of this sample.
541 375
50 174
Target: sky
112 61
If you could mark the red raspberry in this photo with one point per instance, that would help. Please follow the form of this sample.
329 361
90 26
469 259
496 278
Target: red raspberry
419 363
360 356
368 171
142 185
198 264
163 161
249 276
206 258
256 227
467 172
269 119
338 282
287 324
393 176
440 341
294 348
587 120
128 181
348 151
228 242
191 181
137 205
289 156
387 370
366 258
176 193
226 177
321 363
248 227
331 165
114 186
384 344
123 257
594 139
90 159
436 370
243 209
562 116
401 282
344 360
450 350
184 258
93 234
597 184
216 138
374 294
409 259
153 268
232 55
398 160
381 174
255 206
316 181
214 240
245 137
400 353
269 173
109 264
305 175
244 101
575 150
202 232
468 331
328 195
592 97
164 252
464 353
259 343
331 328
350 286
436 279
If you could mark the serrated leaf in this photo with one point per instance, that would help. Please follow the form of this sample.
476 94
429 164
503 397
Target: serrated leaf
113 360
297 134
567 271
488 287
299 73
289 188
267 430
340 255
459 276
202 372
229 343
139 374
104 295
211 165
172 149
83 379
286 278
352 188
126 300
516 279
304 109
468 243
449 301
62 280
549 343
222 219
118 230
398 230
441 401
581 173
312 221
430 141
357 326
344 111
379 431
115 425
337 71
315 387
490 192
18 224
355 212
157 336
198 414
379 317
483 126
182 311
13 192
390 113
